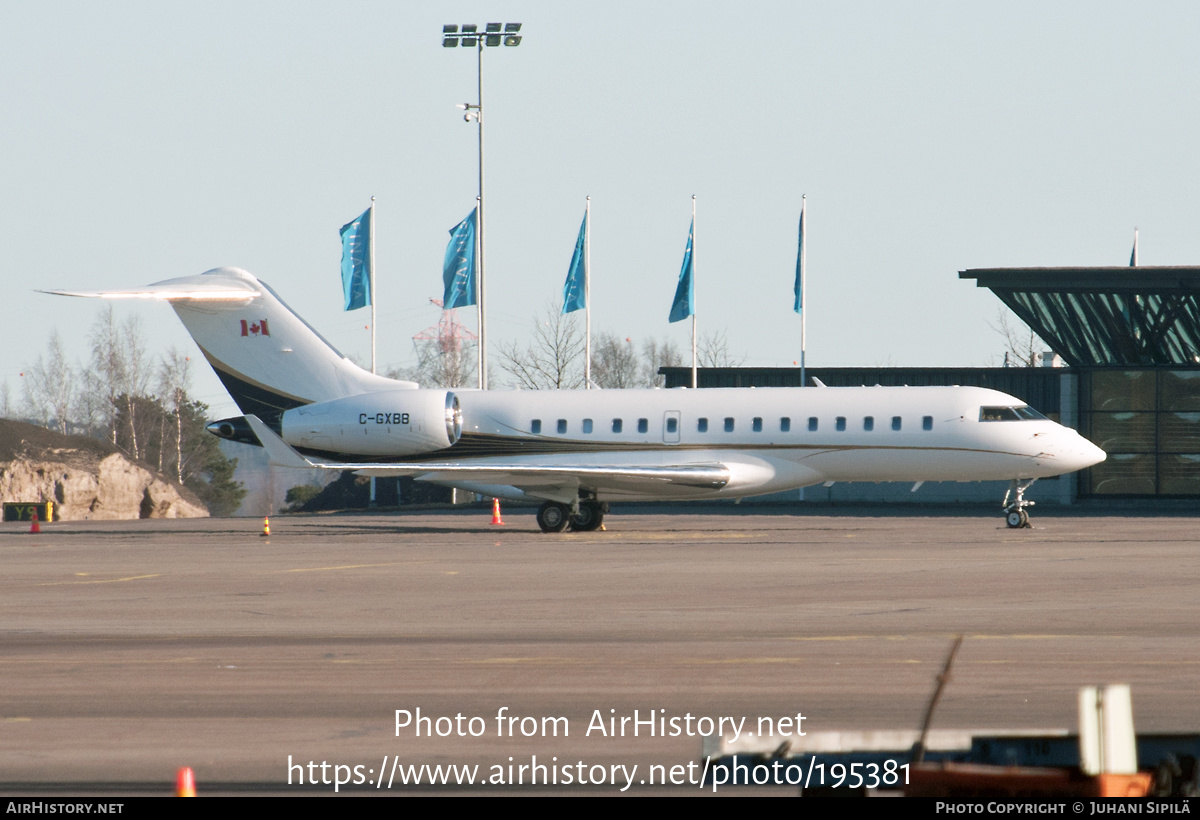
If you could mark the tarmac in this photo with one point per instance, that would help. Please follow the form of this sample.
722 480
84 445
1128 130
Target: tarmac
133 648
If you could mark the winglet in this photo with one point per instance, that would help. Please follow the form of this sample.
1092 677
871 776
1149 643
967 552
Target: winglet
279 452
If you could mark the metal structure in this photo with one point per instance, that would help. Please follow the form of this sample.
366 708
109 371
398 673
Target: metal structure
470 36
1105 317
449 335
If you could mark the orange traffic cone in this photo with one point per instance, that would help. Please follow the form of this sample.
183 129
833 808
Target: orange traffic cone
496 512
266 533
34 527
185 782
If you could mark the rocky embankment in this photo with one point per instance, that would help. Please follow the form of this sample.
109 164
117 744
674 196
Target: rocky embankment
85 478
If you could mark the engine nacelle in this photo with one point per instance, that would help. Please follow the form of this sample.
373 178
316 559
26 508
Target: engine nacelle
389 423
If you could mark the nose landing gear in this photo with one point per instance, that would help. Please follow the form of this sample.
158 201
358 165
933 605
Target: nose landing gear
1014 504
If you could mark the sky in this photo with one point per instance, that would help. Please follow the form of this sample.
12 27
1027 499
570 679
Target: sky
142 141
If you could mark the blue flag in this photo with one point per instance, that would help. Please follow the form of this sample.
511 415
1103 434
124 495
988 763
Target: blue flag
684 304
799 306
356 264
458 270
575 288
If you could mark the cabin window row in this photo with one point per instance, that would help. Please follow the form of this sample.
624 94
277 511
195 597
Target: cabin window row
729 424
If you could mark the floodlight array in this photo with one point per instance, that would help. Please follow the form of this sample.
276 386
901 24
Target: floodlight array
493 34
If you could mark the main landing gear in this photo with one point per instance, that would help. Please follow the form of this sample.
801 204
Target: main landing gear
1014 504
555 517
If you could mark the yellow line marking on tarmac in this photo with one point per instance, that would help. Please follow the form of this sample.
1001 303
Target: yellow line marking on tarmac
974 637
258 664
81 661
557 660
804 660
1032 636
354 566
17 720
678 534
723 661
1088 662
102 581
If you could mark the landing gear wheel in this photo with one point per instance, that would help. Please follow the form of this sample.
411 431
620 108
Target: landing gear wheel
589 517
1014 504
553 517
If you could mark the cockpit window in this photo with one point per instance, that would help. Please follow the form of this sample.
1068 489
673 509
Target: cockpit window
1021 413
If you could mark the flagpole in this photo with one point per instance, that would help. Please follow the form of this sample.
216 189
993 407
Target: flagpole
587 296
479 270
693 260
371 230
479 279
371 238
803 300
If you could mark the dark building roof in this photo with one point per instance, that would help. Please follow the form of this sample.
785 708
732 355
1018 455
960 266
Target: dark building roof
1140 316
1040 386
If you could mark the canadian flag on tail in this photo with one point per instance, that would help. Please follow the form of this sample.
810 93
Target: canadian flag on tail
258 328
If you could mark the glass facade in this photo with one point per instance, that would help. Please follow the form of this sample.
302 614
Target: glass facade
1148 421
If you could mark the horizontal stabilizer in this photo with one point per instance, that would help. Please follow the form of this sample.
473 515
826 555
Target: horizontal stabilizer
188 288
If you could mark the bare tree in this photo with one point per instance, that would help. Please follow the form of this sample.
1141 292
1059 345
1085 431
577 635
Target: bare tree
553 359
92 408
174 376
137 375
713 351
120 372
1019 350
107 373
441 363
658 354
50 386
615 363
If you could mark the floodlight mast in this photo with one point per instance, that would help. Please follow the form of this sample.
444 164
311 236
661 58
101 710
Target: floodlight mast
469 35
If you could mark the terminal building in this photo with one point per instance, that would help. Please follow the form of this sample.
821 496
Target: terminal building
1128 340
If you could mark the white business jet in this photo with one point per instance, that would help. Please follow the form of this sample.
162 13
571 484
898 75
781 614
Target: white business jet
575 451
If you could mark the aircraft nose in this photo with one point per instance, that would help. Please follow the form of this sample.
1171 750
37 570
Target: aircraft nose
1082 453
1092 453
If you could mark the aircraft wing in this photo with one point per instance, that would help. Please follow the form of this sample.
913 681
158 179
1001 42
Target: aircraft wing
551 480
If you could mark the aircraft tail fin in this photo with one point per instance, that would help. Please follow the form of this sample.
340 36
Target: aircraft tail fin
268 358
